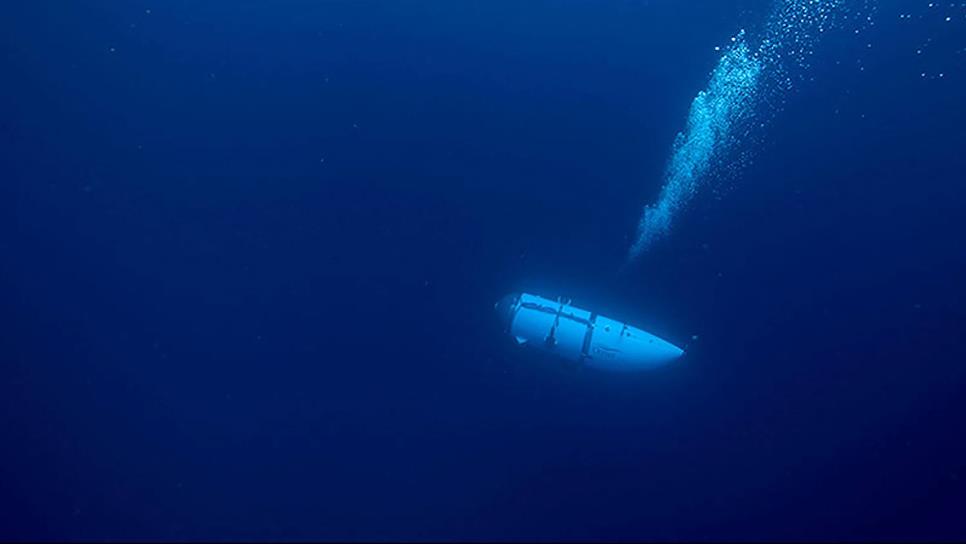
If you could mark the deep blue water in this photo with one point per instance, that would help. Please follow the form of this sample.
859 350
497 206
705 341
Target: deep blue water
250 252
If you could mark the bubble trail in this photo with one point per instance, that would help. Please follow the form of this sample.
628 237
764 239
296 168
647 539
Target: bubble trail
714 113
744 82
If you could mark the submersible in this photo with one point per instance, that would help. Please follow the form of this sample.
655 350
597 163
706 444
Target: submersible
582 336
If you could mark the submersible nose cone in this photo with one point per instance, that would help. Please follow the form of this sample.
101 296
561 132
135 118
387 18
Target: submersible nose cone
664 350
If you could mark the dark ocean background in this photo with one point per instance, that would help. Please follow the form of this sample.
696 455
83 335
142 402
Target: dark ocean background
249 254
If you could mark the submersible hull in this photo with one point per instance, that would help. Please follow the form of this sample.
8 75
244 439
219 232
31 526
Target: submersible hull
582 336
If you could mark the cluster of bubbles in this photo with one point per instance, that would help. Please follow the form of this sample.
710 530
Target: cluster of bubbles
715 113
744 91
